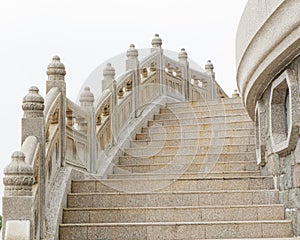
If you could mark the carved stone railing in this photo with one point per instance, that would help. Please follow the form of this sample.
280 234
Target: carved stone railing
62 140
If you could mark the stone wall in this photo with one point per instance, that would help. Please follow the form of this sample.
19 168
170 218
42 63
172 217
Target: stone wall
277 121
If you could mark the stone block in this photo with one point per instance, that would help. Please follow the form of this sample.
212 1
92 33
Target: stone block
17 230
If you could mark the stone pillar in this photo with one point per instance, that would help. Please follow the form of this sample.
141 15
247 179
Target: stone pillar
87 103
183 58
33 124
18 200
156 46
211 91
132 62
56 78
108 76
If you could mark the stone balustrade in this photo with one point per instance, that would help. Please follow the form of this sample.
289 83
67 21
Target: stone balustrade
61 139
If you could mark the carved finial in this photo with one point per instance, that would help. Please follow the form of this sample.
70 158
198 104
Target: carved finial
209 66
182 56
18 176
33 104
56 70
132 52
156 41
87 97
235 94
109 71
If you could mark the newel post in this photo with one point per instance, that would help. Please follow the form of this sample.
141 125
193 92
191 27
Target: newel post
110 82
87 103
132 62
18 217
183 58
56 78
156 46
33 124
209 68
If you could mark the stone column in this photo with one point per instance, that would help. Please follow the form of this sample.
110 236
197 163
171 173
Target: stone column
87 102
18 216
183 58
132 62
33 124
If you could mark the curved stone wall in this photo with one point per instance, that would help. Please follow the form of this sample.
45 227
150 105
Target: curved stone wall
268 39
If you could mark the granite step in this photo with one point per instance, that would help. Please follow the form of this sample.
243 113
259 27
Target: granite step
198 125
220 130
173 198
171 214
186 175
185 149
175 167
188 158
176 230
210 117
205 110
166 140
200 121
228 103
163 184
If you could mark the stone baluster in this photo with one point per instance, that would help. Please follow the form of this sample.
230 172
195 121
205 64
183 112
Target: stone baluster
183 58
211 91
18 200
132 62
87 102
33 124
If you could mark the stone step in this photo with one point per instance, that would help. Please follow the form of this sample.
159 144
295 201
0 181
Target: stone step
188 167
176 230
188 131
186 175
166 140
174 198
188 158
197 184
187 149
203 118
227 103
205 109
185 124
174 214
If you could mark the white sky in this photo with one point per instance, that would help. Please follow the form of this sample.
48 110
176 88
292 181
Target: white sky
86 33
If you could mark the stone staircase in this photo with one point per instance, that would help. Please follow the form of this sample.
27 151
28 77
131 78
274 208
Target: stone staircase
191 174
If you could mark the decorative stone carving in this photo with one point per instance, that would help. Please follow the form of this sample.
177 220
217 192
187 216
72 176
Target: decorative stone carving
128 86
56 70
152 67
18 176
209 66
121 93
105 111
87 97
284 112
33 104
144 73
